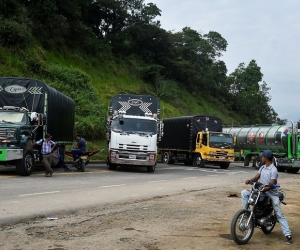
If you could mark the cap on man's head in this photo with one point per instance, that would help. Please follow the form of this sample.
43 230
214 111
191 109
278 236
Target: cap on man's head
48 136
267 153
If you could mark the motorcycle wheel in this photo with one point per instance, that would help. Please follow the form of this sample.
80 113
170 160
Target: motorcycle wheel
270 228
239 232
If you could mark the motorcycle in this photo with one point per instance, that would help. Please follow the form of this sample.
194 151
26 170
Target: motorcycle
258 213
83 159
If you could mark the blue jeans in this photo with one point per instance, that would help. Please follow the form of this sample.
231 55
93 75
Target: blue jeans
245 194
75 152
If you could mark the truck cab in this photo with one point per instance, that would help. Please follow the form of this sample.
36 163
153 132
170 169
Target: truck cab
17 131
215 147
133 131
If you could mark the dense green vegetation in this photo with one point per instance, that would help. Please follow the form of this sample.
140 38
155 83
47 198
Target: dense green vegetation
94 49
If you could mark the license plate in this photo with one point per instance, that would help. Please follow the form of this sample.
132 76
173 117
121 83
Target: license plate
83 157
132 157
222 157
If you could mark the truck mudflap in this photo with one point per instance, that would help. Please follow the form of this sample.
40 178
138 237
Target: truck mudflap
11 154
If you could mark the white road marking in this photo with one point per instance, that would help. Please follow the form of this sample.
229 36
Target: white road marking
213 175
187 178
120 185
156 181
53 192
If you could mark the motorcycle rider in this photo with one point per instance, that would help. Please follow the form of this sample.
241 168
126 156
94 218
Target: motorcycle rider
268 174
80 147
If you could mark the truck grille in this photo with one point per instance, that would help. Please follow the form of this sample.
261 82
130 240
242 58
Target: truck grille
126 155
7 133
221 153
2 133
133 147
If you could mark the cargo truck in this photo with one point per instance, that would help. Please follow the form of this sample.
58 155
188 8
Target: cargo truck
196 140
133 130
29 109
283 141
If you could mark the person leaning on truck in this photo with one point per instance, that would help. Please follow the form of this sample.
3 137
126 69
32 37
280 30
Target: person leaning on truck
80 147
58 159
47 147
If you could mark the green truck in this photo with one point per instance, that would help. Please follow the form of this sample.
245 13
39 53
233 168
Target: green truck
282 140
29 109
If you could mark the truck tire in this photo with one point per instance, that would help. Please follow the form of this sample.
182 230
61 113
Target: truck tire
112 166
258 163
224 165
151 169
25 166
167 158
198 162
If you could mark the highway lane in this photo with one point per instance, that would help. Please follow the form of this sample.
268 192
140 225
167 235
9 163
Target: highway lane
65 192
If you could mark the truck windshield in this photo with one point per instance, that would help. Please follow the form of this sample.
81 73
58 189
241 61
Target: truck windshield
221 140
12 117
128 125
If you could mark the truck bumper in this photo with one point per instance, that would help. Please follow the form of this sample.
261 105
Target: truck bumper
218 160
10 154
282 162
134 162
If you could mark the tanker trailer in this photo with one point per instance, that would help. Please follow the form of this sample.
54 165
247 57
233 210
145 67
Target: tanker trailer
283 141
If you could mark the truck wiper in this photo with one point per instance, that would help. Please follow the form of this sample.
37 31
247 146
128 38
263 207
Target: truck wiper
226 144
7 122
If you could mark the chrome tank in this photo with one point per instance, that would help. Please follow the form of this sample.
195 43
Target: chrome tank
259 137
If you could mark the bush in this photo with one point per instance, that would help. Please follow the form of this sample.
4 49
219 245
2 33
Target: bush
90 114
14 34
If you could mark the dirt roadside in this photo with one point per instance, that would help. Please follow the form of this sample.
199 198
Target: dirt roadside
193 219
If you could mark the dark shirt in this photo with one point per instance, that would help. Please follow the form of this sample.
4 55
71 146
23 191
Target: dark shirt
81 144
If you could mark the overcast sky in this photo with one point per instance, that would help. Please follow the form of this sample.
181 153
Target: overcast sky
267 31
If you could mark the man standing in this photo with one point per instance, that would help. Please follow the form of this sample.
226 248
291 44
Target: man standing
47 146
80 148
268 174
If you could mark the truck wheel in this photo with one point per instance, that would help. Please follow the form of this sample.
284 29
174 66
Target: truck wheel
167 158
25 166
224 165
112 166
198 162
258 163
151 169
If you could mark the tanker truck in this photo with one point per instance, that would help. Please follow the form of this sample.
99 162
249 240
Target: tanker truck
28 110
283 141
133 129
196 140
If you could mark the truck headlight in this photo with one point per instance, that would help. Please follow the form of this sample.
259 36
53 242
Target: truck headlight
113 154
151 157
10 134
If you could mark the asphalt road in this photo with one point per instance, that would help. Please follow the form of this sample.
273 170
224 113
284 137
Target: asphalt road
26 197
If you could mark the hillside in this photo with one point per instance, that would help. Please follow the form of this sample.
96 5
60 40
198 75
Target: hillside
105 79
92 50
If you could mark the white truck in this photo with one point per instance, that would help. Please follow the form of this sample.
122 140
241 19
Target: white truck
133 130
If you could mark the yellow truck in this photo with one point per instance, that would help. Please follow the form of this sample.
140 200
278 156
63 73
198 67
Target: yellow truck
196 140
